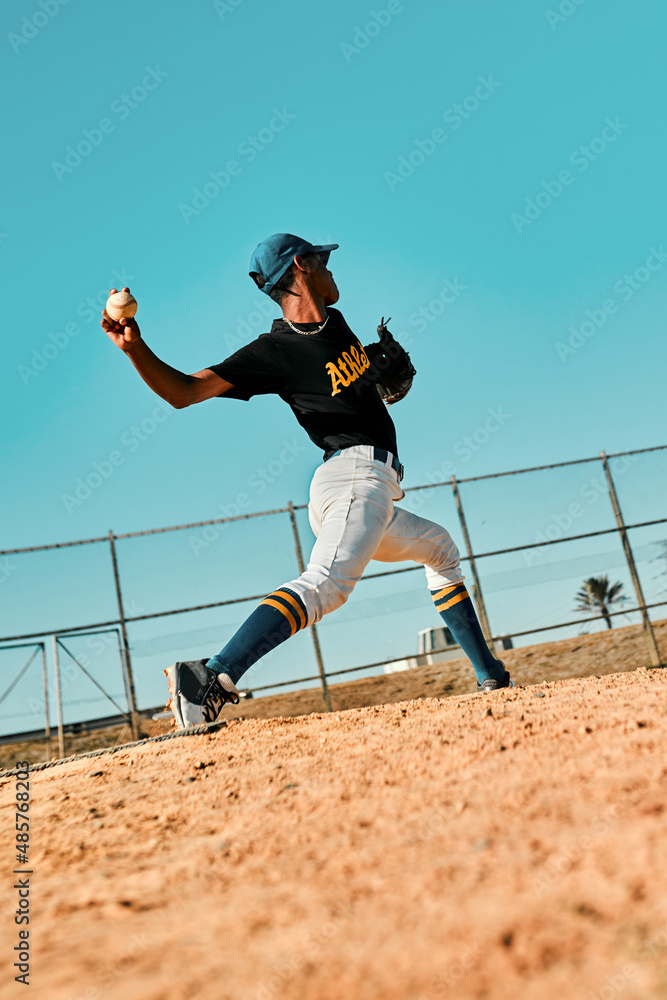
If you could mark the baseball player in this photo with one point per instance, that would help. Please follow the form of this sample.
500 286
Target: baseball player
338 391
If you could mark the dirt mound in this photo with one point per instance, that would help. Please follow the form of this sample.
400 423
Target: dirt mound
498 846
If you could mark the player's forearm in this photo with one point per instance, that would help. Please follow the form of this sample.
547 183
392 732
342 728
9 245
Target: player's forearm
174 386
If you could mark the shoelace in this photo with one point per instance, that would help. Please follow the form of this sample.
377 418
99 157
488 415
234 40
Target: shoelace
214 699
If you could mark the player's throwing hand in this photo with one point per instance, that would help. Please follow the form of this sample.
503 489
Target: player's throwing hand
123 332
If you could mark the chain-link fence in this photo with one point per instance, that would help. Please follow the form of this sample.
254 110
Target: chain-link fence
87 626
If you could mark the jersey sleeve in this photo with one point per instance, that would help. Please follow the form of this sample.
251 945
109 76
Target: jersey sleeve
256 369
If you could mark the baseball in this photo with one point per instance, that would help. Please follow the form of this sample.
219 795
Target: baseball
121 305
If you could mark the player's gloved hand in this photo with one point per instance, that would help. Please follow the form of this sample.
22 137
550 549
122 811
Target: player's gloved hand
391 366
123 332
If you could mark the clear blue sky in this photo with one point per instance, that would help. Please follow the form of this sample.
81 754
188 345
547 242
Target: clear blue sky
494 175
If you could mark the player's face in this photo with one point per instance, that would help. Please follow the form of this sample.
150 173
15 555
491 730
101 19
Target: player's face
322 281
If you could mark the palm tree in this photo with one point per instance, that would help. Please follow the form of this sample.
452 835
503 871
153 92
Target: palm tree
597 595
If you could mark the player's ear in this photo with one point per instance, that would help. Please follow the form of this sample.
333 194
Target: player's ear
307 264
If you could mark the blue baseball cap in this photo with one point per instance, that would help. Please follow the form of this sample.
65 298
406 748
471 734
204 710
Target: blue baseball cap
272 257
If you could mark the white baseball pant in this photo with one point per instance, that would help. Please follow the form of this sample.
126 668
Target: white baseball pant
353 515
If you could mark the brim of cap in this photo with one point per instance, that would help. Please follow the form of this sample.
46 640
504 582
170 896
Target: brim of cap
329 246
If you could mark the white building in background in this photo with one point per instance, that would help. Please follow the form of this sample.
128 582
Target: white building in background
436 645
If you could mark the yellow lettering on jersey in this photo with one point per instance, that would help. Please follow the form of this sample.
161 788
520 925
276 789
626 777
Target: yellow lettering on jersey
348 368
360 356
336 378
354 365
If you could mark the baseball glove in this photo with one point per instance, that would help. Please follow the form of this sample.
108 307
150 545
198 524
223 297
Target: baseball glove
391 366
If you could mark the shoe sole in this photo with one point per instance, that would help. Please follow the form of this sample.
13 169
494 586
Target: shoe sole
493 690
171 674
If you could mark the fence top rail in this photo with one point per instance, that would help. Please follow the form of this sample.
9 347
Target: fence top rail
53 545
147 531
202 524
76 634
285 510
25 645
538 468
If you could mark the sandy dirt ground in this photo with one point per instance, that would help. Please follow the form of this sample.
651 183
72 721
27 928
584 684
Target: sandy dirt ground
504 846
606 652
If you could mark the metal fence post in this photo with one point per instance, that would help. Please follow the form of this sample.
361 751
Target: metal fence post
121 657
59 698
134 718
654 652
316 642
476 587
47 721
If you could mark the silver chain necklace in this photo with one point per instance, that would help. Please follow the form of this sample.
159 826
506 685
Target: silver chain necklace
307 333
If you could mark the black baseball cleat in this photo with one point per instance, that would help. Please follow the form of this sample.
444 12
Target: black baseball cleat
198 693
491 684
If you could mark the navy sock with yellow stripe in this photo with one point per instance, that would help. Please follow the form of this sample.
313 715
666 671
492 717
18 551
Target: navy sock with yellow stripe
277 618
458 613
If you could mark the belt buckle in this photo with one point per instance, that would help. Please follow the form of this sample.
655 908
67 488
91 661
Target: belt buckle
400 472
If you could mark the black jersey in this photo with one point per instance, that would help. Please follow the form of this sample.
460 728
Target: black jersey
324 377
